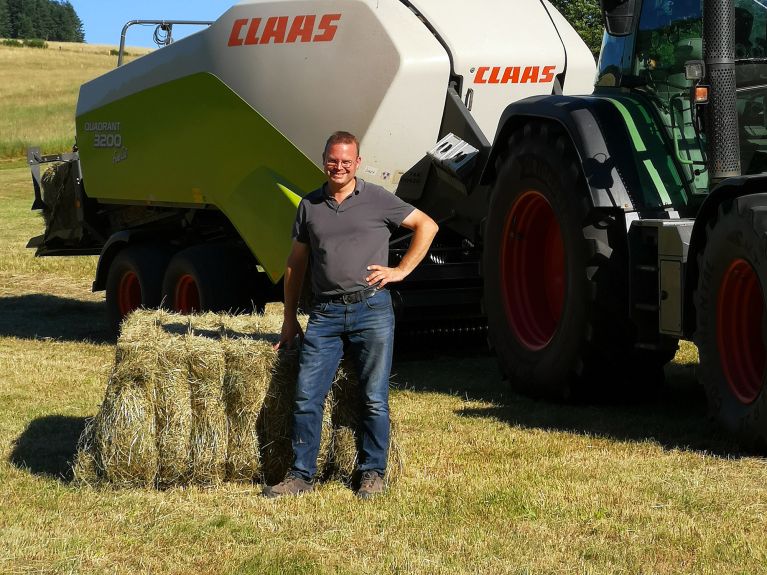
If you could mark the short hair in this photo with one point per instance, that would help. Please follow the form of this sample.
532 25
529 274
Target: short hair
341 137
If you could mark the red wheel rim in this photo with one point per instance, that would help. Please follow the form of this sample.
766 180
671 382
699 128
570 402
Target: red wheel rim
533 270
128 293
739 311
187 297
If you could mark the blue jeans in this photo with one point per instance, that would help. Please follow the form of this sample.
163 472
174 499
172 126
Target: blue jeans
368 327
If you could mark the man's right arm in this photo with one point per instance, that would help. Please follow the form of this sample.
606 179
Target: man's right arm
295 270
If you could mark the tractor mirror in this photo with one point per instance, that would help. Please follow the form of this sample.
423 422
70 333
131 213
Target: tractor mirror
618 16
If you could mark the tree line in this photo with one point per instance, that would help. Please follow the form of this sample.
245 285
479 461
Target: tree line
44 19
586 17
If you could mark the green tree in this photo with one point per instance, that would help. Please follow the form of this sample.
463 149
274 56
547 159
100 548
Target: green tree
586 17
46 26
5 21
78 31
26 27
69 25
46 19
14 15
63 24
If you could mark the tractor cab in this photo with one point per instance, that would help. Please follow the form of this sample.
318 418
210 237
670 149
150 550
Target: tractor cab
656 49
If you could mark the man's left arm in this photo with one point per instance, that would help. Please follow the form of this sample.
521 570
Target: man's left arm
424 230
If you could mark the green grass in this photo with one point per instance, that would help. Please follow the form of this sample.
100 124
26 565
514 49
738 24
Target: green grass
39 91
493 482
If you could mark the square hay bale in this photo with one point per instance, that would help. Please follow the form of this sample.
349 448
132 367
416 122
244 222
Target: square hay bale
172 393
246 379
275 417
173 413
209 430
86 469
202 399
125 431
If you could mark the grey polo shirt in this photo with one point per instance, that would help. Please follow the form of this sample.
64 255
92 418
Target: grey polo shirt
346 238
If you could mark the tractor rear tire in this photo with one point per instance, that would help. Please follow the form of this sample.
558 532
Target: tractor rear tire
134 280
555 271
731 321
207 277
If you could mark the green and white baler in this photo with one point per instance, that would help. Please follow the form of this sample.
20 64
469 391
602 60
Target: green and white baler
591 225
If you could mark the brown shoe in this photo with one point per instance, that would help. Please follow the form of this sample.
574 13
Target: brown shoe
371 485
291 485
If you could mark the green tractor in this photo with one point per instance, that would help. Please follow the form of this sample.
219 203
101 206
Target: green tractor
623 221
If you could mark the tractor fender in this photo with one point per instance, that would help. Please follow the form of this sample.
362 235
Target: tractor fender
605 135
585 120
726 190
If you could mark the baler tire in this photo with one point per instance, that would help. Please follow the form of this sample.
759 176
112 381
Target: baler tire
555 273
134 280
731 323
207 277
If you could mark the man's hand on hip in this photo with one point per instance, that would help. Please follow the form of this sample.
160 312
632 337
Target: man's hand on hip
424 230
381 275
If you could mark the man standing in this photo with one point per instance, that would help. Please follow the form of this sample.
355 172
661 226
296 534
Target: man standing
343 228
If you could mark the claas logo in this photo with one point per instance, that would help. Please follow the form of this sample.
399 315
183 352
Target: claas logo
284 29
514 75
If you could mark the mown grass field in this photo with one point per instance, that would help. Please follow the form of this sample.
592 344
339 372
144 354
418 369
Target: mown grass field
39 90
493 482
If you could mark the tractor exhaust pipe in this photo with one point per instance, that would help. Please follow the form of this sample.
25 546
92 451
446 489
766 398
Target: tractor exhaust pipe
721 111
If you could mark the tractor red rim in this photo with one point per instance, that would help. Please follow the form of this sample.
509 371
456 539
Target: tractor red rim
128 293
739 311
187 296
533 270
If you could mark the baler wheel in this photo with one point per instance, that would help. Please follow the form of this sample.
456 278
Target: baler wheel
555 273
208 277
186 296
731 320
134 280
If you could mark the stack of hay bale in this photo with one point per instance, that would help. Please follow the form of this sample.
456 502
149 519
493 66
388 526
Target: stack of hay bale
203 399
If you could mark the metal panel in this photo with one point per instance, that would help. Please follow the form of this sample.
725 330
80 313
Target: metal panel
671 283
504 51
310 67
674 239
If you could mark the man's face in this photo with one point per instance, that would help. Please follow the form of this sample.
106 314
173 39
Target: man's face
341 163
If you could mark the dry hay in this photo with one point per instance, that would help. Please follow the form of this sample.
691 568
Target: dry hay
274 420
205 360
119 444
173 414
86 469
60 204
245 384
203 399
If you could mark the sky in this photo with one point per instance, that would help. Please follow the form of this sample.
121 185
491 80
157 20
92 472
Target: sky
103 19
